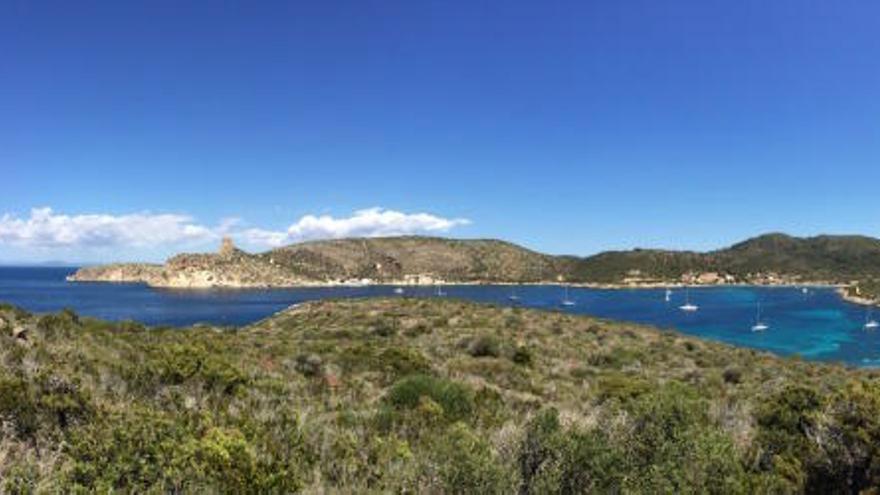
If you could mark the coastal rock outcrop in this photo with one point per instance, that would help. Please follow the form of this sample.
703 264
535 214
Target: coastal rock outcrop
229 267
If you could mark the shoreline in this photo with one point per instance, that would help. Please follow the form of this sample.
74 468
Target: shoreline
404 284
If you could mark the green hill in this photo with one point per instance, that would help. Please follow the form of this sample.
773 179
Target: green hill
822 258
392 258
420 396
650 264
771 258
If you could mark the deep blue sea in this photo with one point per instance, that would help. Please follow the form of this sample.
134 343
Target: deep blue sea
818 325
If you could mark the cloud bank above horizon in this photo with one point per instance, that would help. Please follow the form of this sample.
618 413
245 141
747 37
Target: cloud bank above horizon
49 230
371 222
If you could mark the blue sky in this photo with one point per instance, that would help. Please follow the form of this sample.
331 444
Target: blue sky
570 127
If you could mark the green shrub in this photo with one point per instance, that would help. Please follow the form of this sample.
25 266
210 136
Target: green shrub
847 438
64 401
522 355
19 406
455 399
732 375
587 463
384 328
70 316
310 365
675 448
139 451
539 449
54 325
143 450
401 362
785 422
556 460
225 457
45 403
621 387
465 463
181 363
667 446
484 346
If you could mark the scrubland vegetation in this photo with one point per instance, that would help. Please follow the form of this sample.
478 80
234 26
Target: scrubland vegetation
421 396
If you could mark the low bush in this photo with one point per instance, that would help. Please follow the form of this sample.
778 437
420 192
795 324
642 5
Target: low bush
310 365
732 375
465 463
46 403
455 399
484 346
401 362
384 328
522 355
621 387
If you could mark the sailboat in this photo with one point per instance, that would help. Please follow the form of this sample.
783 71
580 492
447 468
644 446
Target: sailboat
870 323
513 297
759 325
440 292
688 306
668 295
565 300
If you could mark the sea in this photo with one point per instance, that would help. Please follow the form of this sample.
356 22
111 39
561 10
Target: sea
816 325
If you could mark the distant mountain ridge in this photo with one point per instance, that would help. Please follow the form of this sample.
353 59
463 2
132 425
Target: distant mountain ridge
771 258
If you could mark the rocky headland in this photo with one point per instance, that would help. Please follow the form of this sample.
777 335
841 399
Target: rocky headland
397 260
849 262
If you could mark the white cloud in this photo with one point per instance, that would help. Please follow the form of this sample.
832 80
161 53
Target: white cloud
262 238
47 229
372 222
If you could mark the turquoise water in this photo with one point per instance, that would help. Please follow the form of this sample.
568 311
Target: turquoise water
818 325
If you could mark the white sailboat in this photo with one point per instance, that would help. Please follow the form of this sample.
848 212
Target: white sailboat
688 306
668 295
870 323
565 300
759 325
440 292
513 297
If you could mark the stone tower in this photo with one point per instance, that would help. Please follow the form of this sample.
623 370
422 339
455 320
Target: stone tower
227 247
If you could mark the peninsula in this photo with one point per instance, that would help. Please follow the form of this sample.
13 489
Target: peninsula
852 262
